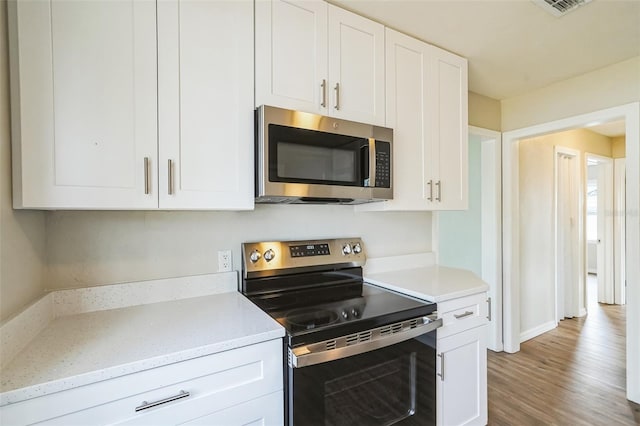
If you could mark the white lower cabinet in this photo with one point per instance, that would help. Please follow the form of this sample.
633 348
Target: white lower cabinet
462 362
236 387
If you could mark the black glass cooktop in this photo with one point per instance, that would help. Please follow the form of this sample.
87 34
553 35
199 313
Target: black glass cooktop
313 315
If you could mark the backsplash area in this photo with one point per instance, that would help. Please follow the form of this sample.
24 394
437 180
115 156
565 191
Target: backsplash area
94 248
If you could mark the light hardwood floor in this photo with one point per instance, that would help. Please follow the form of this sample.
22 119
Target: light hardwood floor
573 375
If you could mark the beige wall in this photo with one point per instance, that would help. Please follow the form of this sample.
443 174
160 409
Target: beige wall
484 112
618 84
618 147
537 217
91 248
22 233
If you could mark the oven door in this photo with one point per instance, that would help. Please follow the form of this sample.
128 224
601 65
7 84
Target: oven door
394 384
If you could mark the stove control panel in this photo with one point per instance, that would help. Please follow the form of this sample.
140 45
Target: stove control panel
271 258
310 250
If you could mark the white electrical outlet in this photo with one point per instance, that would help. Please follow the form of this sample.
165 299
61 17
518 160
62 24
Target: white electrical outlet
224 261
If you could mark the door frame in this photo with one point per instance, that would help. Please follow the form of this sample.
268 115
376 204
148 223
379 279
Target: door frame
491 209
560 290
511 239
619 225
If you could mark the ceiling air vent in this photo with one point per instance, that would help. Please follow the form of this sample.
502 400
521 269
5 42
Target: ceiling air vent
560 7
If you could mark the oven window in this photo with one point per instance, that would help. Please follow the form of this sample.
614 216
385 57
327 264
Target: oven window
392 385
383 394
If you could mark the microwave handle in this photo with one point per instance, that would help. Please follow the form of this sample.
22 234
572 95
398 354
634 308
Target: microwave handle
371 181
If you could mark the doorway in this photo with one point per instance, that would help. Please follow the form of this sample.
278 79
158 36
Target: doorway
630 113
599 221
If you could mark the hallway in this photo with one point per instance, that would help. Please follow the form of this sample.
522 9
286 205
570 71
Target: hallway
572 375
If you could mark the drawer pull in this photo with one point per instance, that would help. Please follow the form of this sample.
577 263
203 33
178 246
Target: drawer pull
466 314
146 405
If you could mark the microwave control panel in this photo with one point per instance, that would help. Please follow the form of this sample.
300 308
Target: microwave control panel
383 165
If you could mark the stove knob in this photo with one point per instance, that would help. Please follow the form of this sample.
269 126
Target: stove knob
255 256
357 248
346 249
355 313
269 255
345 314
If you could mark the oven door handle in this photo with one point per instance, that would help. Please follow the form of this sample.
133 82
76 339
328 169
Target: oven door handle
322 352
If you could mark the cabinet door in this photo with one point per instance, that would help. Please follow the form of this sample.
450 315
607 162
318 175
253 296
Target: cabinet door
205 65
462 381
291 54
356 67
407 60
449 130
83 76
267 411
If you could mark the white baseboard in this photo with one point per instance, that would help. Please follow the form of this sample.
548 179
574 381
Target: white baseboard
536 331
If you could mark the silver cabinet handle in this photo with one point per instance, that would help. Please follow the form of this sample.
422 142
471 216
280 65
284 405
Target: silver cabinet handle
147 179
466 314
170 174
430 183
337 89
146 405
439 197
323 87
441 374
489 309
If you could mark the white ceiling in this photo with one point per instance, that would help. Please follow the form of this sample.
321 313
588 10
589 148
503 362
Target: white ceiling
514 46
611 129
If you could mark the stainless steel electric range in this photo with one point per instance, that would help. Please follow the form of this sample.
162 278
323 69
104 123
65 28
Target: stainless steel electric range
355 354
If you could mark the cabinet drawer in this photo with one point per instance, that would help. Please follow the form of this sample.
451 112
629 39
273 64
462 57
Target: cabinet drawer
462 314
214 382
267 410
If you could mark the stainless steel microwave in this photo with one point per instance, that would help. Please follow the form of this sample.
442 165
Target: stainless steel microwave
308 158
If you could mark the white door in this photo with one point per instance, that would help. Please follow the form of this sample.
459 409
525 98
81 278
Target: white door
448 130
206 97
605 247
291 54
93 63
356 67
569 281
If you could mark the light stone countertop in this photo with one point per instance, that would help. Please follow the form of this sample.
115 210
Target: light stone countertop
83 348
426 281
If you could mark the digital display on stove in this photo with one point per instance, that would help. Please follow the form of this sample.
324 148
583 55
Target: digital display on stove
309 250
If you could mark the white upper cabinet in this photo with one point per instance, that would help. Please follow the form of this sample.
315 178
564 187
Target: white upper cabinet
83 92
448 131
291 54
356 67
114 107
318 58
205 81
426 105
